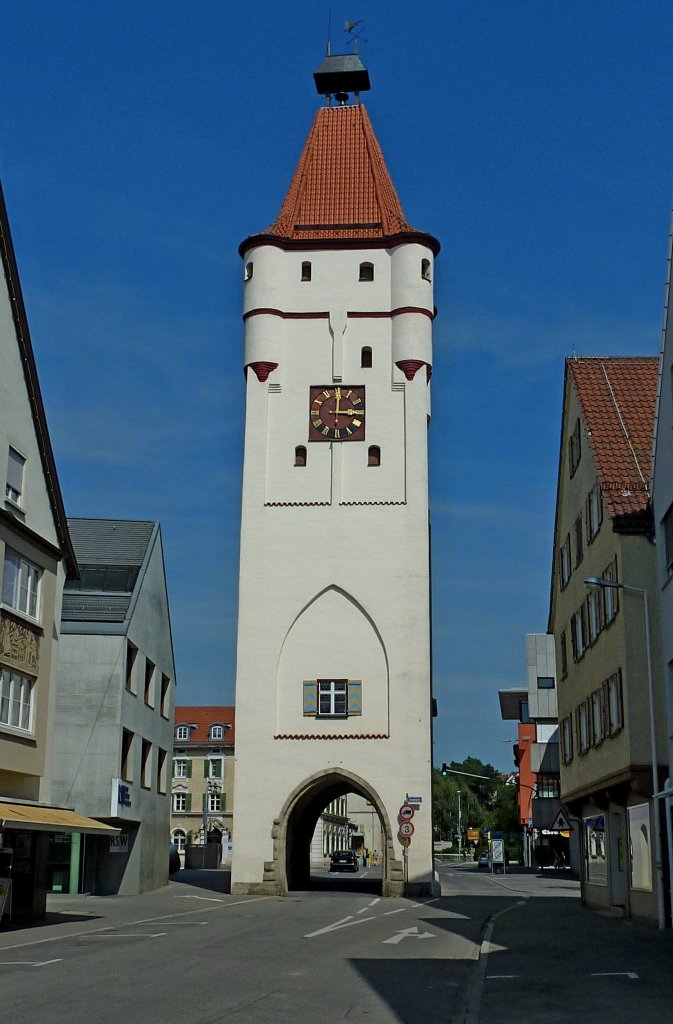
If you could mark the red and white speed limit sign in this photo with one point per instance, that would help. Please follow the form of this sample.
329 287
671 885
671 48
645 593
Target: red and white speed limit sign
407 829
406 812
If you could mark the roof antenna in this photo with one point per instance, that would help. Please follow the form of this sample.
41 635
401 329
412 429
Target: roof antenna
354 36
329 31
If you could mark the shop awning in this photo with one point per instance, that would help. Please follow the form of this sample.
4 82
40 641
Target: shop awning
50 819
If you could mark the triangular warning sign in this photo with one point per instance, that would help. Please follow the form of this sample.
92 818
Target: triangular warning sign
560 823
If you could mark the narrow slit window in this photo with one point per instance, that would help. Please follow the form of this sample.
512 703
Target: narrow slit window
374 455
366 271
300 456
306 271
366 358
425 270
14 484
247 276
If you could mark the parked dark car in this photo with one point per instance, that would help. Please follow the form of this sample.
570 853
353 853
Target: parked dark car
343 860
484 861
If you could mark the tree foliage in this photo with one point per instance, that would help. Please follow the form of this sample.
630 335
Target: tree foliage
484 802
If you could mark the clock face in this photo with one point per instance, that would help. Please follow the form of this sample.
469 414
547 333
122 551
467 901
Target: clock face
337 413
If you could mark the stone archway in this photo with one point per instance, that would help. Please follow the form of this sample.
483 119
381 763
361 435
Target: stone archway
293 828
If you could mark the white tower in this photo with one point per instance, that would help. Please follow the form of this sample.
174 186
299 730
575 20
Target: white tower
333 677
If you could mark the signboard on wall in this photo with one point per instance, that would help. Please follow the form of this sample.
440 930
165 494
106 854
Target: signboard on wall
119 843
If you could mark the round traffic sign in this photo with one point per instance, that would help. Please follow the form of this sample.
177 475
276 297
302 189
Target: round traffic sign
406 812
407 829
405 840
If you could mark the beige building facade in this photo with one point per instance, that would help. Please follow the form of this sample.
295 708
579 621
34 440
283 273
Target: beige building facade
202 783
604 531
36 553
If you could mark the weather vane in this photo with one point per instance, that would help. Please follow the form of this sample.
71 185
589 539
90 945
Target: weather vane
354 30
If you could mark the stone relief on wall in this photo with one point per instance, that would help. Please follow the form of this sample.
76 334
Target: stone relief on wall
19 645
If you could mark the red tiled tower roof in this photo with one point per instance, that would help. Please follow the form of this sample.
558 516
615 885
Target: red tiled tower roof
341 188
617 397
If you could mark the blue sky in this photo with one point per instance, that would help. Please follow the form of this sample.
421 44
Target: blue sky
141 142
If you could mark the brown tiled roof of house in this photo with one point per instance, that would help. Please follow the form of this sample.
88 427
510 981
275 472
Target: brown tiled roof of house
341 188
202 717
617 397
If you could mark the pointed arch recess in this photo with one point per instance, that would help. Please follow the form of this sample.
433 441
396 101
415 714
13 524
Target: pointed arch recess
341 640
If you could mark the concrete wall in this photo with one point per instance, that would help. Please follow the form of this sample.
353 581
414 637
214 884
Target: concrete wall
93 707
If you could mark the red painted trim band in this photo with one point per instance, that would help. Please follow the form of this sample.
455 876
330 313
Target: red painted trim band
268 311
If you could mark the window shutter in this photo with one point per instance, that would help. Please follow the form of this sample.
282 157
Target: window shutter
15 464
311 697
354 696
188 802
206 765
189 769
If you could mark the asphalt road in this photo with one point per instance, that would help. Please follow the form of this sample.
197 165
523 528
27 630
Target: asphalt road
490 950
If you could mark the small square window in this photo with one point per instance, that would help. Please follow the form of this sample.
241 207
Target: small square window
332 697
21 584
182 732
545 683
366 271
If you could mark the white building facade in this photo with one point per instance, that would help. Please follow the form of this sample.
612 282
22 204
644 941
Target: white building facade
333 676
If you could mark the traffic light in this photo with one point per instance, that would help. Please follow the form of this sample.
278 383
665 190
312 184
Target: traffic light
444 771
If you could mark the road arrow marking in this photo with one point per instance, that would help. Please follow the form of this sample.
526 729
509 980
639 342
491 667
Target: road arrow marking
409 933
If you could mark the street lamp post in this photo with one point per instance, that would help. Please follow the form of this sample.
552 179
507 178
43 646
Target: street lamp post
597 581
460 828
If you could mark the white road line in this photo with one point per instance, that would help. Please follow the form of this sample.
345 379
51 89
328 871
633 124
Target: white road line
127 935
207 899
474 999
345 922
373 902
30 963
616 974
131 924
400 910
497 977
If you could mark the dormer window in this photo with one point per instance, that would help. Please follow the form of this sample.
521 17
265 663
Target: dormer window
306 271
300 456
216 732
366 271
182 732
247 274
366 358
425 270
